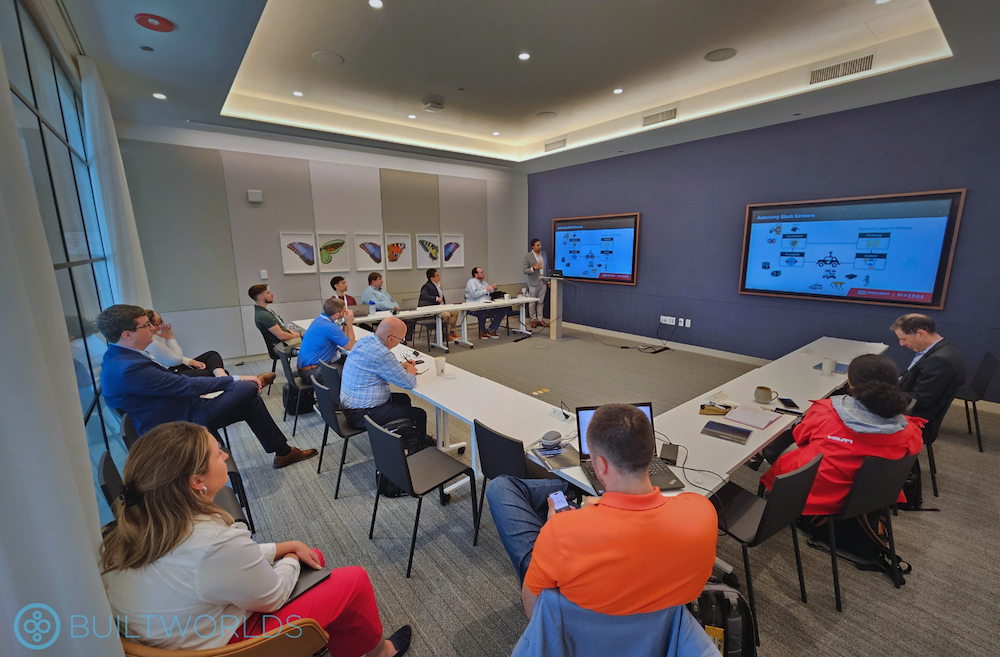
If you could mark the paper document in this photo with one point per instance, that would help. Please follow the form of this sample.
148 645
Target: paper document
752 416
212 395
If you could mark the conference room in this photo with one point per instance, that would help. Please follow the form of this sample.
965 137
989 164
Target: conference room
703 211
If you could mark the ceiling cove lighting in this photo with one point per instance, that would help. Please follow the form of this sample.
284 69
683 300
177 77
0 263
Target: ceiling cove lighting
297 94
159 96
524 56
377 4
618 91
881 2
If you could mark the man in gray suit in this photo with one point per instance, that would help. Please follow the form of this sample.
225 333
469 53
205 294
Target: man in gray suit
534 269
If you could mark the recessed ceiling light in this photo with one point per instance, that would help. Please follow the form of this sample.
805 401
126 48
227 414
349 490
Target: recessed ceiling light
496 134
546 115
297 94
721 55
159 96
523 56
412 116
375 3
326 57
146 48
618 91
881 2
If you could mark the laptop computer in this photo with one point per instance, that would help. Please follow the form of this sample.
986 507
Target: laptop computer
660 474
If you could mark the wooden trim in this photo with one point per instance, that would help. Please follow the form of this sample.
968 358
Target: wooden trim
635 250
902 196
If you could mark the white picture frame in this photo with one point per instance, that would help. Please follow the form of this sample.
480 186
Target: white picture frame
428 250
339 261
298 253
398 251
452 256
366 247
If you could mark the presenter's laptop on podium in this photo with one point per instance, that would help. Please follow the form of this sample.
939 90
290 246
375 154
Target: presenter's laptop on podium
660 474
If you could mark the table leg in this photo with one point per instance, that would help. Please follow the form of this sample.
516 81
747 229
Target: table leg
441 426
440 341
465 332
522 329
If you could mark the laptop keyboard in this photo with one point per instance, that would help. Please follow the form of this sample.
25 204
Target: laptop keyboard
657 467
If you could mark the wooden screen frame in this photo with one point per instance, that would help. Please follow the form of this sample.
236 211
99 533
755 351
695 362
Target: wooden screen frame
635 249
907 195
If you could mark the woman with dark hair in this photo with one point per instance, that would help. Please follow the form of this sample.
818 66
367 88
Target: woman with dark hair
182 576
868 421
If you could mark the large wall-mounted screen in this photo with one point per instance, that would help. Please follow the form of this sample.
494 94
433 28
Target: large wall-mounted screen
602 249
878 249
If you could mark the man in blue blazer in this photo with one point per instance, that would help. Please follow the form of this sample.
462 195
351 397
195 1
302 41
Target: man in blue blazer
134 382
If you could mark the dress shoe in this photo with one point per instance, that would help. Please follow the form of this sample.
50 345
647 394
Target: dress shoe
484 336
534 323
266 379
454 336
401 639
293 456
542 322
493 334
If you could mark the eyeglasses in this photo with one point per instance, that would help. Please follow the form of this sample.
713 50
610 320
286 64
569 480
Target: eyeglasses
144 326
400 340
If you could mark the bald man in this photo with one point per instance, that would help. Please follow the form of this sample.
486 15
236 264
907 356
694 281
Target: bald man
370 369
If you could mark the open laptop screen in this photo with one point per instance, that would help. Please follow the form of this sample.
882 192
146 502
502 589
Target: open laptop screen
584 413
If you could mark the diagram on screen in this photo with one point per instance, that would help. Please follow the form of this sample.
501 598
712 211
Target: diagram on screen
592 252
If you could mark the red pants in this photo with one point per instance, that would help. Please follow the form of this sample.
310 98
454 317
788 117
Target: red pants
343 605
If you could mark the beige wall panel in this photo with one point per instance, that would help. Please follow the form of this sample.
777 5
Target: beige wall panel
287 207
179 198
409 205
215 329
507 219
463 211
346 199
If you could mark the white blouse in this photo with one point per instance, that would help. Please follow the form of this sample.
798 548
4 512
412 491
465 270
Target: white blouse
167 352
195 596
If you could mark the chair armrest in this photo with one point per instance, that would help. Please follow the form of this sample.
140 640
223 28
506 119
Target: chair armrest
300 638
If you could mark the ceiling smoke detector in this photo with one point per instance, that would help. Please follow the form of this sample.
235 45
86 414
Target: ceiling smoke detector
546 115
433 107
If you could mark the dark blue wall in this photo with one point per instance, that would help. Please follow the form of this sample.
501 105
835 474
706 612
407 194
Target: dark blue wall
693 201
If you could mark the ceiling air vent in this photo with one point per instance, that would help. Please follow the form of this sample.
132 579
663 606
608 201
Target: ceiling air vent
555 145
659 117
842 69
433 107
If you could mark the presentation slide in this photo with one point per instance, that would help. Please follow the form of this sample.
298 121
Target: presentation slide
870 251
601 249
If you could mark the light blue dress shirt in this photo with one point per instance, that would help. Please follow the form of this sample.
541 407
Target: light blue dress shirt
382 299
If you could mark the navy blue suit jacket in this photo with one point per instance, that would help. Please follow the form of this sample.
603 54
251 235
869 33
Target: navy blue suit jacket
150 393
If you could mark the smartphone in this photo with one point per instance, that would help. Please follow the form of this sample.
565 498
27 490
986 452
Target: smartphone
559 499
787 402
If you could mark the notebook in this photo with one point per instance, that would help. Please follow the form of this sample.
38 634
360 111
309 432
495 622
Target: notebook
308 578
752 416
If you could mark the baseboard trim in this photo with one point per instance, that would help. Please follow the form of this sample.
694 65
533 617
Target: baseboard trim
705 351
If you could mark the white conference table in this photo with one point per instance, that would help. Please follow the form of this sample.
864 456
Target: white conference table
469 306
791 376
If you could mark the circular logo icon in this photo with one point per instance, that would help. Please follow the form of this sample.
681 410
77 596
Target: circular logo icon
36 626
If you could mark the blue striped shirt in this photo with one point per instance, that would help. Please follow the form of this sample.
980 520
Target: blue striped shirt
368 372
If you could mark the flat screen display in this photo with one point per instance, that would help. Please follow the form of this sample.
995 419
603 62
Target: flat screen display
888 249
602 249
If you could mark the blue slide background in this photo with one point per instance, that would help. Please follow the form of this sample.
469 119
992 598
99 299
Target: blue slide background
619 261
910 265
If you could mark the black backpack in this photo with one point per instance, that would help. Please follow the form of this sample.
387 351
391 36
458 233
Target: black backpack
725 614
913 490
295 405
413 442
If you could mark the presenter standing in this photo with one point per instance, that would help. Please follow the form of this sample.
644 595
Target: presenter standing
534 269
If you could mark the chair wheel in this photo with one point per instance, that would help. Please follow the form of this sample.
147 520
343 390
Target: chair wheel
461 450
730 579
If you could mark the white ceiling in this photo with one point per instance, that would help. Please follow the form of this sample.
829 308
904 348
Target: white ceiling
232 64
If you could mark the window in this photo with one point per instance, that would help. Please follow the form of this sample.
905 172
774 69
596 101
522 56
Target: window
48 111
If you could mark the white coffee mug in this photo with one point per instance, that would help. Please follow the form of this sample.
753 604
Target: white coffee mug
829 366
439 365
506 297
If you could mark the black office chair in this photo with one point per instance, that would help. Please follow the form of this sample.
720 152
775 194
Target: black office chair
931 430
270 342
429 325
110 481
752 520
876 486
295 383
333 417
498 455
130 435
416 474
976 389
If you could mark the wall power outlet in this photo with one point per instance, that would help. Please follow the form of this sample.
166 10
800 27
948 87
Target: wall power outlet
668 319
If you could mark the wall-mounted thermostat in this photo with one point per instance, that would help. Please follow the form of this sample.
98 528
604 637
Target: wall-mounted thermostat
255 196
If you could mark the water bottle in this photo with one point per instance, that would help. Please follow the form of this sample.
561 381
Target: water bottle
371 307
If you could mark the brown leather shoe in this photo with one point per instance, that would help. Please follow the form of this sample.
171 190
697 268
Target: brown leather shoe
542 322
493 334
454 336
484 336
293 456
266 378
534 323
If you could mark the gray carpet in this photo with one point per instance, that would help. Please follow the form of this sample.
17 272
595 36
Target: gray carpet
464 601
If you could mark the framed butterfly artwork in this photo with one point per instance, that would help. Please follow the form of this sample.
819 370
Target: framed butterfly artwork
333 252
298 253
453 250
398 251
369 252
428 251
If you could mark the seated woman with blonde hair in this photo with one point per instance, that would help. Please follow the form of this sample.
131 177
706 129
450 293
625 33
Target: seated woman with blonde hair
182 575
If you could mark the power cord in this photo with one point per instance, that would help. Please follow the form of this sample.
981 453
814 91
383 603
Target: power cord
684 470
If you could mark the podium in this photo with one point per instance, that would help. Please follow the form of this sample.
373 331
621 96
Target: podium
555 307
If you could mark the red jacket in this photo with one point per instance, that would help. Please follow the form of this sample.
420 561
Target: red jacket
823 432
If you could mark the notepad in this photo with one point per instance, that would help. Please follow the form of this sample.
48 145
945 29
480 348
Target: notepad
752 416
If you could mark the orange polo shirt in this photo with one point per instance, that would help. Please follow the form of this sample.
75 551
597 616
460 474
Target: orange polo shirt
627 554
